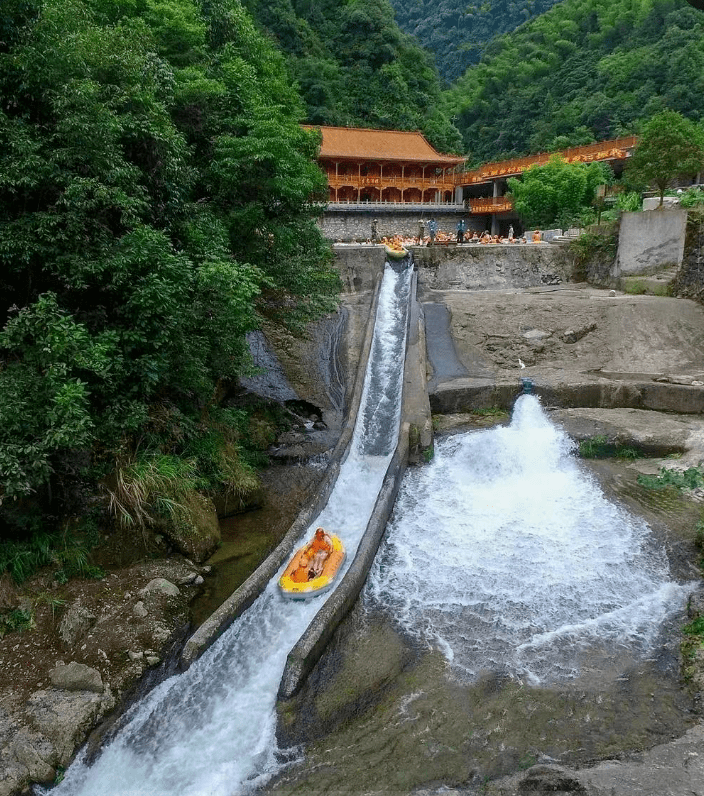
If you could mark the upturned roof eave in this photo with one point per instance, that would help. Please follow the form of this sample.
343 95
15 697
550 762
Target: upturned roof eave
414 138
395 158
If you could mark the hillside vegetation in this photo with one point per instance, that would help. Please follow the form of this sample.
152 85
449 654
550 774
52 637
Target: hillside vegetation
155 191
356 68
459 32
586 70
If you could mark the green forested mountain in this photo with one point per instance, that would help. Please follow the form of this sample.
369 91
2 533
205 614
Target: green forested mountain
585 70
459 32
155 190
355 67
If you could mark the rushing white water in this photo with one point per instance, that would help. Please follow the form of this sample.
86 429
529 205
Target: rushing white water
211 730
506 556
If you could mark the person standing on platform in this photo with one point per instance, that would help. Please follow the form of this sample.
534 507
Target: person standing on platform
375 230
460 230
421 232
432 230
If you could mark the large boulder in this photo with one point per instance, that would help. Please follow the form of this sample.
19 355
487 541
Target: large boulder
197 533
160 587
76 622
76 677
64 718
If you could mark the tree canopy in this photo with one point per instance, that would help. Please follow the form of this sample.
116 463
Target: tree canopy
556 193
356 68
669 147
155 204
458 33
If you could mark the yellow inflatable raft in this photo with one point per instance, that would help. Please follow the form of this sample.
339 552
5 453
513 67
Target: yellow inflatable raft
395 254
304 591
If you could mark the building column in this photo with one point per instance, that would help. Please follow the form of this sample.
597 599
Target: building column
459 195
496 189
494 224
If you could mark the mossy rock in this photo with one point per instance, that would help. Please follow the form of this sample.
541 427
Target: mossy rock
195 532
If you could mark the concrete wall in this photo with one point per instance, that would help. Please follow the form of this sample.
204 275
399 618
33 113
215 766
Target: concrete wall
650 240
356 225
359 266
491 267
464 395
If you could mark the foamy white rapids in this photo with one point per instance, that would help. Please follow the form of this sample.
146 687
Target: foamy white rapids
506 555
211 730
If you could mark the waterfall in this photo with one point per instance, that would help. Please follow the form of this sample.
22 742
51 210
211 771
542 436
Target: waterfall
211 730
506 555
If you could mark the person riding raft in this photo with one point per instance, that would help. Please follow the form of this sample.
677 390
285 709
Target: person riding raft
318 551
303 573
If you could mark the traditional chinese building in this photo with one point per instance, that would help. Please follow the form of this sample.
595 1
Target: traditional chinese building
364 165
399 178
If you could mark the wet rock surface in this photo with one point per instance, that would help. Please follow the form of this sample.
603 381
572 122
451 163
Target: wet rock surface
586 334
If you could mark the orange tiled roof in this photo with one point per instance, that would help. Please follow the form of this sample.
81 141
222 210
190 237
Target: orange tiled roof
363 143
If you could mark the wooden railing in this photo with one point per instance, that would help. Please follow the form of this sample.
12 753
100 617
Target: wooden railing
617 149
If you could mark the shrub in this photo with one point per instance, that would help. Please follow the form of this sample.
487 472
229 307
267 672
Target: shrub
17 620
691 478
593 248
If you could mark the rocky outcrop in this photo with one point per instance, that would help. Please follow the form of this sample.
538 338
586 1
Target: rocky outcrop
114 632
689 281
198 534
675 768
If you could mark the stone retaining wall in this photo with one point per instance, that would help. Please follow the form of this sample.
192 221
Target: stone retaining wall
356 225
689 282
359 266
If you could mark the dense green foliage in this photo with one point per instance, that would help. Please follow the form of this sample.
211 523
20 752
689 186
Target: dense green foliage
154 205
458 33
586 70
558 193
669 147
356 68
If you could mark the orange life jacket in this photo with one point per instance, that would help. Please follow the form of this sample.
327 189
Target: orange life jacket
317 545
300 575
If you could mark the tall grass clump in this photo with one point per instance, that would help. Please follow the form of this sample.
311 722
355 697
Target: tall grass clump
151 487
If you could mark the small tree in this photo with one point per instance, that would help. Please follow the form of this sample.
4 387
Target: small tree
671 146
556 193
